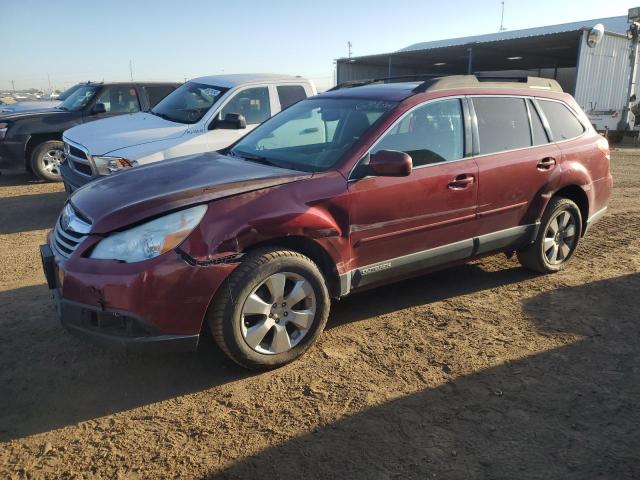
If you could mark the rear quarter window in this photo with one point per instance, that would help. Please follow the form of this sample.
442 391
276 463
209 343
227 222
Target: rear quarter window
290 94
564 124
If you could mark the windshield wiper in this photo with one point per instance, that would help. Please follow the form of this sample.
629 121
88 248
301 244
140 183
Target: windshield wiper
253 158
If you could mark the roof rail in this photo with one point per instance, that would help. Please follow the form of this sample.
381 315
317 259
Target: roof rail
488 81
369 81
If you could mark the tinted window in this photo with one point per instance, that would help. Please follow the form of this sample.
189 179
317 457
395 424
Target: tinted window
290 94
119 99
80 97
432 133
539 134
564 124
253 103
155 93
503 124
313 134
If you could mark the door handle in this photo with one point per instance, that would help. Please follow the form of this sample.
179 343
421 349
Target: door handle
461 182
546 164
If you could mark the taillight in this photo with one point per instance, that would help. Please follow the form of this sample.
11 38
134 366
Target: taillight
603 146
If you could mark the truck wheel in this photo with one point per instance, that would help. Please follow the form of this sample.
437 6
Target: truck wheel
270 310
46 159
557 239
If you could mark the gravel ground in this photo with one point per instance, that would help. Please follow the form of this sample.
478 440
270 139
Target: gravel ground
479 371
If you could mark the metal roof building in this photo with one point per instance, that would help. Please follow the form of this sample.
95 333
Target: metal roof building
598 77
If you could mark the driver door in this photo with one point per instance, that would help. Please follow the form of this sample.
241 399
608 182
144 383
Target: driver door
402 225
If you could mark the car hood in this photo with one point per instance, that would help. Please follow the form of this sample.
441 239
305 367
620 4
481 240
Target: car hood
4 116
110 134
29 106
134 195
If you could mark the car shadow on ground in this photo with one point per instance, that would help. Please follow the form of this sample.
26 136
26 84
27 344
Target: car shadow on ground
51 379
14 178
24 213
569 412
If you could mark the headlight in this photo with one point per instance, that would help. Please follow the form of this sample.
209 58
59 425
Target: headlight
3 130
150 239
109 165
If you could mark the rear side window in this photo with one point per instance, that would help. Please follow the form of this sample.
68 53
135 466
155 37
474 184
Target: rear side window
432 133
155 93
564 124
290 94
503 124
539 133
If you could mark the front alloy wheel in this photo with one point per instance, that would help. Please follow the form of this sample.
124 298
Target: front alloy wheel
46 160
270 309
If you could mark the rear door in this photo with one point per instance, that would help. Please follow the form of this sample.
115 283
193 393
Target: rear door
403 225
515 160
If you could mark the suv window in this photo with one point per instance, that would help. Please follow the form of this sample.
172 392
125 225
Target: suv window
503 124
253 103
564 124
155 93
537 129
431 133
119 99
290 94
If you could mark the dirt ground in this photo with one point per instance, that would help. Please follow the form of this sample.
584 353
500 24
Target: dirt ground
480 371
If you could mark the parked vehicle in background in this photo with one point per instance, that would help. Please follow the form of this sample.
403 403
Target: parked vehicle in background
204 114
29 106
33 140
348 190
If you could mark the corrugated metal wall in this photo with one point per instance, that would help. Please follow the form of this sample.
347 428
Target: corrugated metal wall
603 74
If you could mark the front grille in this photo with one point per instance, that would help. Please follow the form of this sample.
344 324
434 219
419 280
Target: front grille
67 239
80 167
76 152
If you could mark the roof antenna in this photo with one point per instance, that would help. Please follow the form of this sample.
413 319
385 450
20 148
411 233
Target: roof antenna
502 27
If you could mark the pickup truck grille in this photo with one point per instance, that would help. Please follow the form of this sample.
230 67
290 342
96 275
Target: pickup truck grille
69 232
79 160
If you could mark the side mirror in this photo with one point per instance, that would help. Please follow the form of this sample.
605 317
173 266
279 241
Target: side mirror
390 163
231 121
98 108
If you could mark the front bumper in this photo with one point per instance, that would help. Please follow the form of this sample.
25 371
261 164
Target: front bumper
72 179
158 304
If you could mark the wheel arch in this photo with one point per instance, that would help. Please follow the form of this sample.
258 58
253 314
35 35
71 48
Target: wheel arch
576 194
310 248
35 140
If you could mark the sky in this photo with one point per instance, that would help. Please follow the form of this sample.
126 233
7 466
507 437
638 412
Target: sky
63 42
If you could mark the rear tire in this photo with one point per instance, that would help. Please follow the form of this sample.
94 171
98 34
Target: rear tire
557 239
249 317
46 159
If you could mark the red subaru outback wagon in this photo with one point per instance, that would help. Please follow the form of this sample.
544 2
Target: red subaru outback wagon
344 191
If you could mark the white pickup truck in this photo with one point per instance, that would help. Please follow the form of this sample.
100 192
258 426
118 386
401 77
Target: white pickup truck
204 114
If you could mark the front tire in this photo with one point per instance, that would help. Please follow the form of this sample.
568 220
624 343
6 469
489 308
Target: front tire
557 240
270 310
46 159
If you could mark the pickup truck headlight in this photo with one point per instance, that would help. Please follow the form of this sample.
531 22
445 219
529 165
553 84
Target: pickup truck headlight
150 239
109 165
3 130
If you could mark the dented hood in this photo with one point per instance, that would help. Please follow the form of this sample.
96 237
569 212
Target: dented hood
135 195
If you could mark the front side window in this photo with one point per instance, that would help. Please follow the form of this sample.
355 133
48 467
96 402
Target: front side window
119 99
81 97
563 123
253 103
503 124
189 102
432 133
313 134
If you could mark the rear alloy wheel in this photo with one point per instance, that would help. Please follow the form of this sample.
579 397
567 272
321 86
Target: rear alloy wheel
557 238
46 159
270 309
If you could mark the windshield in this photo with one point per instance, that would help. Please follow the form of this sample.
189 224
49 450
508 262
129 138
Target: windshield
80 97
188 103
312 135
64 95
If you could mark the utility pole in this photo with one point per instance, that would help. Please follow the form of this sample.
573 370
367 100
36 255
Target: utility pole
131 70
349 45
502 27
13 86
49 82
